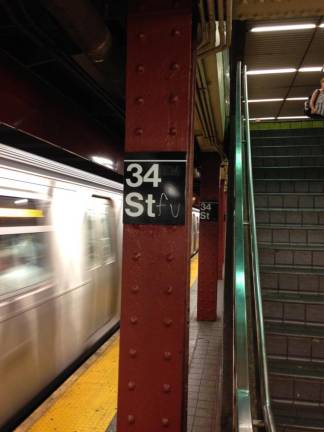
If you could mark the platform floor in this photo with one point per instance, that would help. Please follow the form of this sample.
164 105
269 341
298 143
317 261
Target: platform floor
204 368
87 401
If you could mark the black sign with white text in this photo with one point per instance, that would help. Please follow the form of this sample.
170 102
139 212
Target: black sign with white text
209 211
154 188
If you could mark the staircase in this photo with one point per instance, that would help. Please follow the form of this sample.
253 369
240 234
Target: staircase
288 170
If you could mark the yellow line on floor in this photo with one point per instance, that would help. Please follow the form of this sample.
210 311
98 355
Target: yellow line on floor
88 402
194 270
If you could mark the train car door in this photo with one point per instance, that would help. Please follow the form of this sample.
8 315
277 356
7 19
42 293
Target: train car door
102 258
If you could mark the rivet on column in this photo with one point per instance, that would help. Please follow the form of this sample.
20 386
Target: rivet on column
176 32
173 98
138 131
140 68
135 289
167 355
141 36
137 256
175 66
132 352
167 322
133 319
165 422
170 257
166 388
169 290
131 385
131 419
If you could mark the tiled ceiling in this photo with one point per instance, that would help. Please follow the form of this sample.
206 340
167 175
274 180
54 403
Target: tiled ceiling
284 49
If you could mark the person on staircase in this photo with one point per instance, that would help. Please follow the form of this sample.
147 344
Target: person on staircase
317 101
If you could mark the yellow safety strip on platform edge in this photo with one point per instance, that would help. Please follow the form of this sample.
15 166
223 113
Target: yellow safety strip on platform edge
90 402
194 270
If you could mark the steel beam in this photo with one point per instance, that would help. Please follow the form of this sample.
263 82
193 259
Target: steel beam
156 259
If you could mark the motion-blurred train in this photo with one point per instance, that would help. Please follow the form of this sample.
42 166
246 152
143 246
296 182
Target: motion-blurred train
60 256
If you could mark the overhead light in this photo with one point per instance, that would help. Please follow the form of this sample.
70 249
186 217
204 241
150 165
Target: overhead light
302 98
270 71
21 201
265 100
292 117
322 25
285 27
311 69
108 163
262 118
285 70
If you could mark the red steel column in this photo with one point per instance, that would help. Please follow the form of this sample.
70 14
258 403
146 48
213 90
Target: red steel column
156 259
208 241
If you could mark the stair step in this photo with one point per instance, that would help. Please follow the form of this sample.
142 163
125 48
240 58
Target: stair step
288 194
299 132
288 150
290 254
302 135
292 269
292 279
287 160
293 329
277 185
291 209
296 368
287 141
292 200
281 234
292 246
294 227
295 417
290 216
288 172
293 297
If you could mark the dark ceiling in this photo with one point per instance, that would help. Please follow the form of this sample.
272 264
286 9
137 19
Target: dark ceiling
31 36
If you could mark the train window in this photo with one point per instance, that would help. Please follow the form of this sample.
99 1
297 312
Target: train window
93 257
16 211
24 261
99 223
106 237
24 245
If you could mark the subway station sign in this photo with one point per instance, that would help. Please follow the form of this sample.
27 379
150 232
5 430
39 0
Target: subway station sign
154 188
208 211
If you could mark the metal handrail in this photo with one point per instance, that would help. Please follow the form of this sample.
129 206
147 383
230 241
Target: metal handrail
241 373
262 354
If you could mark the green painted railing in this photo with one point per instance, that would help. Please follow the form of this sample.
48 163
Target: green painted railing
244 214
242 381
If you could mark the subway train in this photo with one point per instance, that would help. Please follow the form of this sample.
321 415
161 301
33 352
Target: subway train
60 259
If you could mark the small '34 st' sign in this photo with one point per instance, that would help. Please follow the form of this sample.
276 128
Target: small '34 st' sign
209 211
154 188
